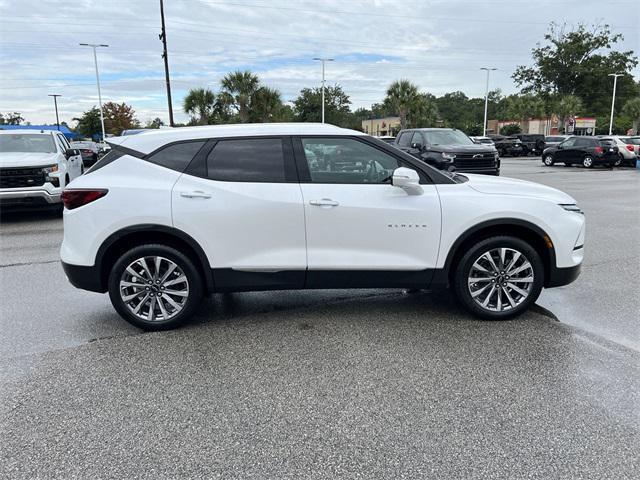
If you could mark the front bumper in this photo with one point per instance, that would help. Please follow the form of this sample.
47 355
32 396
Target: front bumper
29 197
563 276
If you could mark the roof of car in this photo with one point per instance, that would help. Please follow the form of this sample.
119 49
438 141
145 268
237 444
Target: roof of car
30 132
151 140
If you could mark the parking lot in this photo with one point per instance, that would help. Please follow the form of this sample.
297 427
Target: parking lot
348 384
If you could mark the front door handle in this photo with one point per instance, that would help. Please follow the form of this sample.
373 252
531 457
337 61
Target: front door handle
325 202
195 194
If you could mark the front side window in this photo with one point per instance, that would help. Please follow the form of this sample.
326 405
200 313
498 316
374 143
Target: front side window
27 143
417 138
345 160
247 160
405 139
569 142
177 156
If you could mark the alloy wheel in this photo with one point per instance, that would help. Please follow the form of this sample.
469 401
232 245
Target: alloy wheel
500 279
587 162
548 160
154 288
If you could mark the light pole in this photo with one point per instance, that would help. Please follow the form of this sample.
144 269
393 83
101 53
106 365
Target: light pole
613 100
486 101
55 102
95 60
323 60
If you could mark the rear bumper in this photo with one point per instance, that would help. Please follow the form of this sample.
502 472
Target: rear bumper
563 276
83 277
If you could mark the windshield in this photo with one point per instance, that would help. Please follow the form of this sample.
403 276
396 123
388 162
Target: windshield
27 143
447 137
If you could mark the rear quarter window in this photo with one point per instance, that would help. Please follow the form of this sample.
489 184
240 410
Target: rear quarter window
176 156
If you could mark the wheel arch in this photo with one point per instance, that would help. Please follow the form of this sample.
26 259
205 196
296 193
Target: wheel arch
122 240
522 229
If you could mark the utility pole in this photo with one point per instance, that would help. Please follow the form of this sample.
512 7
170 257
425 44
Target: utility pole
55 102
165 56
95 60
486 101
323 60
613 100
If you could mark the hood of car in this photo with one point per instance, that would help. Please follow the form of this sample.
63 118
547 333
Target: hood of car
24 159
511 186
463 148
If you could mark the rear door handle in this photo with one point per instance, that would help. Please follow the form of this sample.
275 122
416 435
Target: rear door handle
325 202
195 194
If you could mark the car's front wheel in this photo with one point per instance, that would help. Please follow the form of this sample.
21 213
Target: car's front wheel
499 278
155 287
548 160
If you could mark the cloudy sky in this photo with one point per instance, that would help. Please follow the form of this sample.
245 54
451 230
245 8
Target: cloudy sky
438 44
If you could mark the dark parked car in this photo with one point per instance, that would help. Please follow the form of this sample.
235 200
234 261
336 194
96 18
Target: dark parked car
531 143
587 151
90 152
507 145
449 149
553 140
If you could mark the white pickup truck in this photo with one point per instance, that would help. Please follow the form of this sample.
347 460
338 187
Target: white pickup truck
35 166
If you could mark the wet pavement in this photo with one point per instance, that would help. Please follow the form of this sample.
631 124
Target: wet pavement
329 384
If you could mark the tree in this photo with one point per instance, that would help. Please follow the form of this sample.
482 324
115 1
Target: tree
401 94
423 112
89 122
577 62
266 105
308 106
510 129
119 117
155 123
632 110
568 106
200 104
240 86
12 118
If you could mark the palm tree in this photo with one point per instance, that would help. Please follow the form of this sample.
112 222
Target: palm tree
401 95
200 102
266 104
423 112
568 106
241 86
632 109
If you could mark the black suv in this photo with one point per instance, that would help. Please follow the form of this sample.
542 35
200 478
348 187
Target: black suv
507 145
449 149
588 151
531 143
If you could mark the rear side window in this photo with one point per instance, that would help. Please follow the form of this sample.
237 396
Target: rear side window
177 156
247 160
110 157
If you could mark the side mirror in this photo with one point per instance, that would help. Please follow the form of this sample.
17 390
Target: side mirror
408 180
416 145
71 152
560 147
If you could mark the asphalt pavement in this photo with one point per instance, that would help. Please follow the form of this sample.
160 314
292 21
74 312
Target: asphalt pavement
329 384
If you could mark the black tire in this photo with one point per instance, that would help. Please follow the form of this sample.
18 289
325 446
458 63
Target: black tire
548 160
619 161
463 269
184 263
587 161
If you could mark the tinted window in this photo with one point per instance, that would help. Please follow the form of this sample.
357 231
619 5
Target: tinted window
583 142
344 160
112 156
250 160
176 156
447 137
569 142
417 138
404 140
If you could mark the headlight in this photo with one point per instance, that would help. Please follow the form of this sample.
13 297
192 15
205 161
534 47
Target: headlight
571 207
448 156
50 169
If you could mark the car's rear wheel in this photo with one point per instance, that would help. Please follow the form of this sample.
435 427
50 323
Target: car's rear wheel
619 161
155 287
499 278
548 160
587 162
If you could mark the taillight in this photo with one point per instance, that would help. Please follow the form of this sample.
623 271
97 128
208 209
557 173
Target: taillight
89 152
630 148
599 150
74 198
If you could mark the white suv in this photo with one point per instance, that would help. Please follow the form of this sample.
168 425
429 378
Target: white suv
35 166
170 215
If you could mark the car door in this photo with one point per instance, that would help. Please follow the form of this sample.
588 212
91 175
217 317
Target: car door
566 151
241 201
361 230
